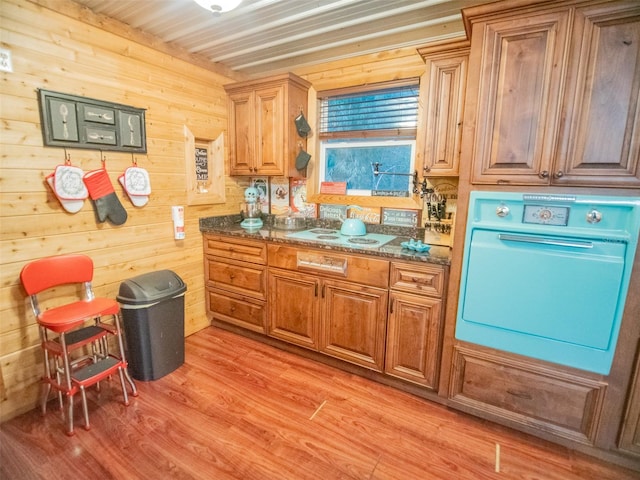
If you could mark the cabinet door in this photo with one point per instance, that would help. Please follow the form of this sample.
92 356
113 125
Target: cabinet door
515 77
601 136
353 323
443 88
294 308
241 133
630 434
413 338
270 126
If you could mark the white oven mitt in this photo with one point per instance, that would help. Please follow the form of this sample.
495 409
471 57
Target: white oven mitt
135 181
66 183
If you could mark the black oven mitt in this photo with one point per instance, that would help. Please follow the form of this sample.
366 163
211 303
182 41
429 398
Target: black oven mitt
105 201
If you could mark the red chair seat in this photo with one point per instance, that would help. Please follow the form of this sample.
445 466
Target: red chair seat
72 315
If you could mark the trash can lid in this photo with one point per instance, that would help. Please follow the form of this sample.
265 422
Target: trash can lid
150 287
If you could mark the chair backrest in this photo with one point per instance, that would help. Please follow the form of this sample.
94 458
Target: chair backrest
50 272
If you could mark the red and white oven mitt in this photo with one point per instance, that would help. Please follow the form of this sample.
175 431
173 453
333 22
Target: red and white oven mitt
136 183
67 185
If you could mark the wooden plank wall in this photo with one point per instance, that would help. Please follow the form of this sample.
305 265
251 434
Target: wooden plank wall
69 53
57 45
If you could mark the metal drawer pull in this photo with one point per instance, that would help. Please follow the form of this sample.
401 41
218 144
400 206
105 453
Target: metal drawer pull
545 240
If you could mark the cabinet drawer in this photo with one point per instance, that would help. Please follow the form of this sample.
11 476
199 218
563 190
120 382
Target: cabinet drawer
254 251
415 278
367 271
242 278
561 403
237 310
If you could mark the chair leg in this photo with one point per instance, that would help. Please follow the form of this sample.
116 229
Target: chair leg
124 388
85 408
70 431
44 395
134 390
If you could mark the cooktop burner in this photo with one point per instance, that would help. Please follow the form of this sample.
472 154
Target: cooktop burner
334 237
363 241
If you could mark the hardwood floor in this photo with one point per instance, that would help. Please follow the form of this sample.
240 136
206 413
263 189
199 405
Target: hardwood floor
239 409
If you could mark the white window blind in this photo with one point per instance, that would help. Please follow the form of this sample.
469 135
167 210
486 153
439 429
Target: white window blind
387 110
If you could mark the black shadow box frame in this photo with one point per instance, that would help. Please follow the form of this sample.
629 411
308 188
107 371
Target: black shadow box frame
71 121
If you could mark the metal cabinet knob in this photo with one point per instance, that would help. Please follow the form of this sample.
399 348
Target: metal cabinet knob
594 216
544 174
502 211
559 174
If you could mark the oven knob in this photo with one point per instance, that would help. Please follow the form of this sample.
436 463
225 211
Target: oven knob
502 211
594 216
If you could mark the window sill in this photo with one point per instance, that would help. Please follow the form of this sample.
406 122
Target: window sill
412 202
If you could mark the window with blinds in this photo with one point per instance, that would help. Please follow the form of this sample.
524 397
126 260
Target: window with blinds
381 111
367 138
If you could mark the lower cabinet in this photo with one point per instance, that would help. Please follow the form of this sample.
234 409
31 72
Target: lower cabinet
381 315
353 323
413 338
414 331
339 318
236 281
630 434
294 308
504 387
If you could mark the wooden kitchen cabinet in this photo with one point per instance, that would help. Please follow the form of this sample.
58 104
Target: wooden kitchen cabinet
514 83
354 320
600 137
329 302
504 387
552 93
630 434
442 91
262 134
236 281
414 331
294 308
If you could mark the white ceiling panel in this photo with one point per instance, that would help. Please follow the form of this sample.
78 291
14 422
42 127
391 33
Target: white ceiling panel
262 37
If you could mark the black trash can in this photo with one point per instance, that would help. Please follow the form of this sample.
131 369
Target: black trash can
153 316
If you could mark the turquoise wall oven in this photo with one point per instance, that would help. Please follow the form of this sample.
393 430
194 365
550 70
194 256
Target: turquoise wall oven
547 275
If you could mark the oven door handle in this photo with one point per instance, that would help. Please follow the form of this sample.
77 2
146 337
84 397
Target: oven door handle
545 240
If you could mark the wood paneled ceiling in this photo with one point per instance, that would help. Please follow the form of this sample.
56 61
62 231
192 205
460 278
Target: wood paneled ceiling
263 37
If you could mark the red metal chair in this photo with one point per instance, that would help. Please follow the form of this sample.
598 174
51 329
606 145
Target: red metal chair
76 337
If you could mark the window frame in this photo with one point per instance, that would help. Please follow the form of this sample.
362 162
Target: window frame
313 180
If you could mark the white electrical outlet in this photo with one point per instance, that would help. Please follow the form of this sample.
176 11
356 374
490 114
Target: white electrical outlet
5 60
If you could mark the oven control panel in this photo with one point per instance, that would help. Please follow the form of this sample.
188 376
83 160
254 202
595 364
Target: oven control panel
596 216
546 215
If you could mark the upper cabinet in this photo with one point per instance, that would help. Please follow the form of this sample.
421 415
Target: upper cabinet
262 134
552 95
600 138
442 90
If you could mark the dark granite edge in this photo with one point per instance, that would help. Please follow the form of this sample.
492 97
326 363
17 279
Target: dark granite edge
230 225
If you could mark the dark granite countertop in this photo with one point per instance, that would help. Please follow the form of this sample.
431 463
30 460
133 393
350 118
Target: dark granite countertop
230 225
